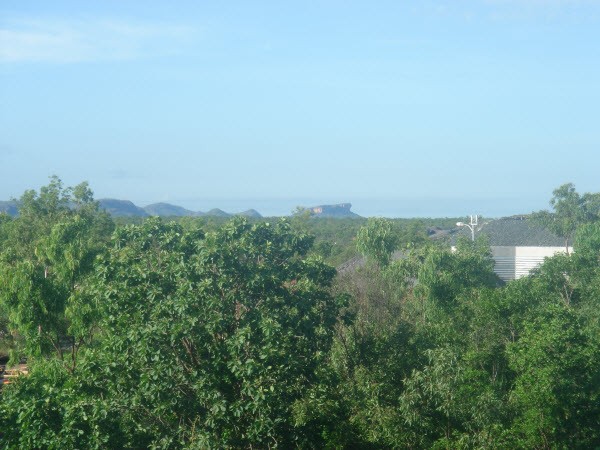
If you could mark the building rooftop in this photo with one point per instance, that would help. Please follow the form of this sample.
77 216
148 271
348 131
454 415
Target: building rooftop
513 231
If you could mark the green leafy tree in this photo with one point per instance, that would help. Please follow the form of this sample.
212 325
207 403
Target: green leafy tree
570 209
557 390
48 254
377 240
385 392
206 341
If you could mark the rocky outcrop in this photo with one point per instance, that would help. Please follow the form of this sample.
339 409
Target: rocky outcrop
338 210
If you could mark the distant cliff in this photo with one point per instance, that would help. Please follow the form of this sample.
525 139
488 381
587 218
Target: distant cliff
339 210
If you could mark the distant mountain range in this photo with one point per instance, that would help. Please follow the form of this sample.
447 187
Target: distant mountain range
126 208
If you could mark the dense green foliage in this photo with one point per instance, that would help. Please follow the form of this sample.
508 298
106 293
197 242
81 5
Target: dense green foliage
47 253
377 240
570 210
237 334
335 238
436 355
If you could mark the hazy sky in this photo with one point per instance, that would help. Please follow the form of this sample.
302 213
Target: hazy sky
481 102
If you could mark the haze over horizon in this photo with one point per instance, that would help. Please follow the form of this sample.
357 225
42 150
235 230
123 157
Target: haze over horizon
393 207
429 107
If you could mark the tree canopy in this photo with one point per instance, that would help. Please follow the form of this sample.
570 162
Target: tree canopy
239 335
570 210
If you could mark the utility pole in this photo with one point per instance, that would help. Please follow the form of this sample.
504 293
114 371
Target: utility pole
471 226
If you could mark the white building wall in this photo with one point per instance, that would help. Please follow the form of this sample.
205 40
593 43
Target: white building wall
515 262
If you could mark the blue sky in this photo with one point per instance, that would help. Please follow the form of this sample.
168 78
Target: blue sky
450 105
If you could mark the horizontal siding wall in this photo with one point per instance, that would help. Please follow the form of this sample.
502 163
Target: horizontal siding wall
515 262
505 267
525 264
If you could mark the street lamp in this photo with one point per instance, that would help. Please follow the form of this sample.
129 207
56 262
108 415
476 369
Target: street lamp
471 226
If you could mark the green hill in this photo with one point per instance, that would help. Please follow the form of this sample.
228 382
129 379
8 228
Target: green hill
121 208
166 209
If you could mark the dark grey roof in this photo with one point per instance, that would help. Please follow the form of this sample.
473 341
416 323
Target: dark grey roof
513 231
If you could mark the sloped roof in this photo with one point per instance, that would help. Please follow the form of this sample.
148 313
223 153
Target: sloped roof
513 231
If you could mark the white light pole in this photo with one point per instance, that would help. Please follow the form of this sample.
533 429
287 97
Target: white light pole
471 226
